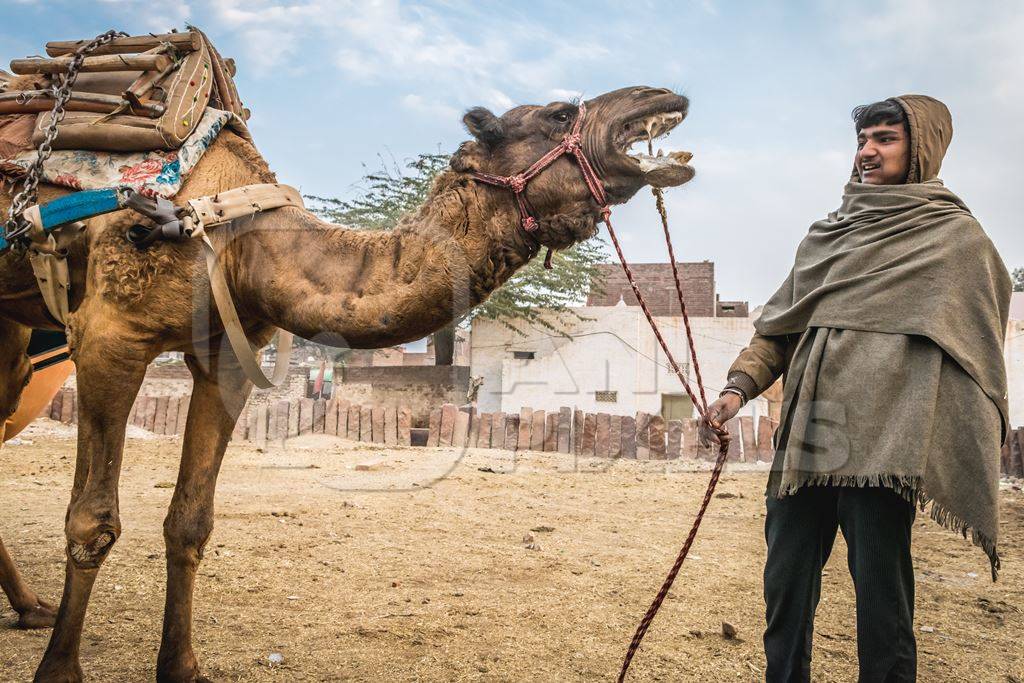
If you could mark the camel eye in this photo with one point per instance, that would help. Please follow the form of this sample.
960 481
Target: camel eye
561 116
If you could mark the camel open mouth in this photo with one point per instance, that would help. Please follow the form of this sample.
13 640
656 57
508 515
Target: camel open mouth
659 169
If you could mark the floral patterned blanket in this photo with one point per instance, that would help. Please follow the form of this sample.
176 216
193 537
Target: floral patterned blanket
157 173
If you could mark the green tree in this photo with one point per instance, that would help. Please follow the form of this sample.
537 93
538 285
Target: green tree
1018 279
394 191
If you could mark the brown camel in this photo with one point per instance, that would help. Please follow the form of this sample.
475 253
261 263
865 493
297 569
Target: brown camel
285 269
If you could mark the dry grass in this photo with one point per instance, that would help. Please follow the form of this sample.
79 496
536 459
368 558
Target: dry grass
431 572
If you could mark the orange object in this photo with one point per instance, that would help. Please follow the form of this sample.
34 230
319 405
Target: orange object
50 368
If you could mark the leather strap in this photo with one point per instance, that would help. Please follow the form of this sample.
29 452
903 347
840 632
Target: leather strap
221 208
51 271
49 265
247 356
243 201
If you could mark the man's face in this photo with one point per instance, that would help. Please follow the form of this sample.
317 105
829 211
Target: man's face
883 154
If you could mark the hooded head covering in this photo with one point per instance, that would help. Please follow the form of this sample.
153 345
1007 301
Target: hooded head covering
931 130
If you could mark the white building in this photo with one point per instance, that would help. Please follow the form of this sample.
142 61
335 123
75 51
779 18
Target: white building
607 362
1014 355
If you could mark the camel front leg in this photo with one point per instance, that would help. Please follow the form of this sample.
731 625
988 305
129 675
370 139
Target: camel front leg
218 396
110 372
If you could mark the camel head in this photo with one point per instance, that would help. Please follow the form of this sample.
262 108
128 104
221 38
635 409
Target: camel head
559 197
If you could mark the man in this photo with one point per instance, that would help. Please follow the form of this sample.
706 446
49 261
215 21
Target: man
888 331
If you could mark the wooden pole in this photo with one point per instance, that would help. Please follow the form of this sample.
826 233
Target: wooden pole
183 42
34 101
92 64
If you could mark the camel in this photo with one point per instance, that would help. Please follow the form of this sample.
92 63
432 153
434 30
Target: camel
286 269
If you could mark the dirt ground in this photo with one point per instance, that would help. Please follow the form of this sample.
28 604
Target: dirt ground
369 563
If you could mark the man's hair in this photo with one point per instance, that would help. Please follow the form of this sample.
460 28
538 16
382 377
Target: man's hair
884 113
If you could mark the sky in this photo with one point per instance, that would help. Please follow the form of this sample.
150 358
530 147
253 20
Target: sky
337 88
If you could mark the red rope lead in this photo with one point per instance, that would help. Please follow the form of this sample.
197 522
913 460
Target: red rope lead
659 199
723 450
571 144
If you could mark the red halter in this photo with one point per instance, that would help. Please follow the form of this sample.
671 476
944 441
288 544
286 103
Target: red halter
571 144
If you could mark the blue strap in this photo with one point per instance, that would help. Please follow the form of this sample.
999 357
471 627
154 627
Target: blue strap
79 206
76 207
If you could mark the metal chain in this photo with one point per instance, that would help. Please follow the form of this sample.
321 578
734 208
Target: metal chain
61 94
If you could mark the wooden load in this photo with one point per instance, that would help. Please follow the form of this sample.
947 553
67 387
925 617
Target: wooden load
136 93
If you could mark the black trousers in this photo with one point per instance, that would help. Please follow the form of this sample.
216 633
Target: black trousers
800 530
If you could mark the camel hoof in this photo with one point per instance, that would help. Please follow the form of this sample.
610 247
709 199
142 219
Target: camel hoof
40 615
64 674
192 676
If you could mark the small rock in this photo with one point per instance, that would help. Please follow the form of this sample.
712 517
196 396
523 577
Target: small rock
972 575
394 584
533 546
927 629
293 597
543 529
528 538
164 485
726 494
728 630
275 659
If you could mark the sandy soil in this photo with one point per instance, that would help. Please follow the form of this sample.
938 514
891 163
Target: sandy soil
364 563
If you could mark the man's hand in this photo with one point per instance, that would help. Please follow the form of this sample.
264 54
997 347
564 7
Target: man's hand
719 412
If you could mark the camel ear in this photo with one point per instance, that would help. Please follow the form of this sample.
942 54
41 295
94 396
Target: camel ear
484 125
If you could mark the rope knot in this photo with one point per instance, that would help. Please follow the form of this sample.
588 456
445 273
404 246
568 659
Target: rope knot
530 224
606 213
517 183
571 142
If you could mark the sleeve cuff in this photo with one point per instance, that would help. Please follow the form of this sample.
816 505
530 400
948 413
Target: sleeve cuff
744 382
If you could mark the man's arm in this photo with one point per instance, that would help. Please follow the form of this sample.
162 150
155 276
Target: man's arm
756 368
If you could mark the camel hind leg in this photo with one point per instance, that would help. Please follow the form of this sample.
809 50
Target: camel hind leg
15 370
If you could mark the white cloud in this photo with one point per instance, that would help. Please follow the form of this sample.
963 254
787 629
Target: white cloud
457 57
421 105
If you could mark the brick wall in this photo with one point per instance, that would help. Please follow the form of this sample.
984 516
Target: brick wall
658 287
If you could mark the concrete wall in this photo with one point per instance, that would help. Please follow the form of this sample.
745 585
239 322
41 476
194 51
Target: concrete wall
1014 355
612 349
419 387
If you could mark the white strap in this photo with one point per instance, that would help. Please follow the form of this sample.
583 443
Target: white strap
236 334
243 201
51 271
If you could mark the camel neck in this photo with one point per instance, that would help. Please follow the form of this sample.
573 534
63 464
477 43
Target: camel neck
367 289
